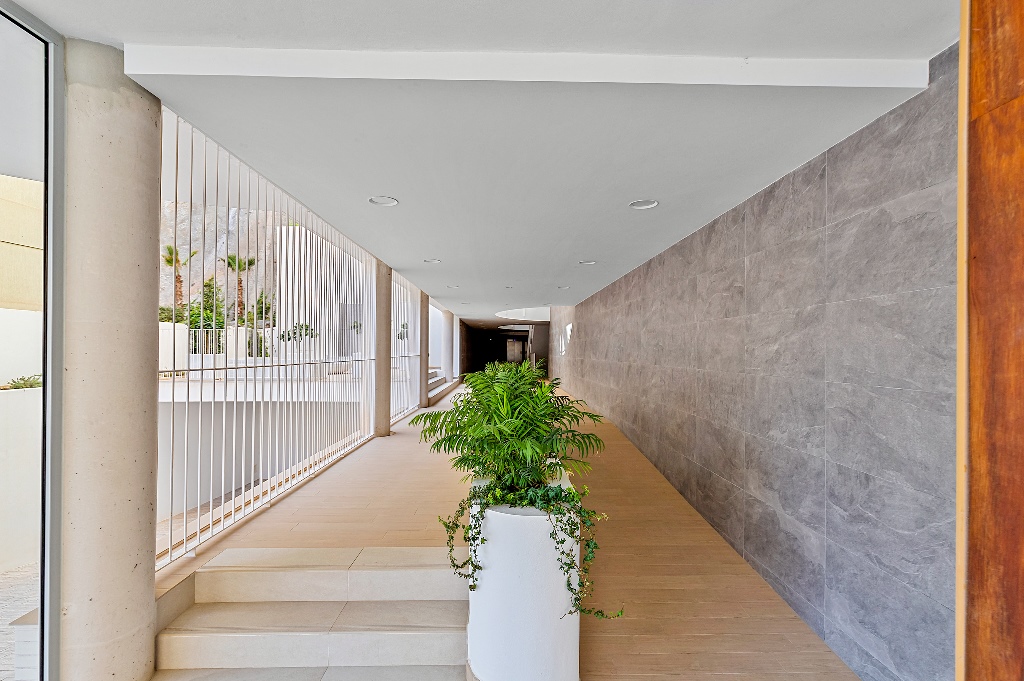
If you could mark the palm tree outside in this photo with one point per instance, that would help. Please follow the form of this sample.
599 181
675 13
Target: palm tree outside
239 265
173 259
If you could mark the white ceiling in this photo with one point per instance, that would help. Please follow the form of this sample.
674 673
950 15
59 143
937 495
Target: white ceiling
510 181
733 28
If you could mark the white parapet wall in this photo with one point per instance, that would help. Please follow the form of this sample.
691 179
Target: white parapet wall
22 343
21 443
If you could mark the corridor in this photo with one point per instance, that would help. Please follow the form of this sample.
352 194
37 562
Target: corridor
694 609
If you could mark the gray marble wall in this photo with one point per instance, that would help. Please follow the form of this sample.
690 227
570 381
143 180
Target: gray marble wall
790 368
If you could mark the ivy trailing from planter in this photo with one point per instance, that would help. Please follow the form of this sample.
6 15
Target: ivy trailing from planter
518 438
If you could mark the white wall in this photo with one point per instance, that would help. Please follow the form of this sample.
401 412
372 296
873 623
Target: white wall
21 442
21 344
436 331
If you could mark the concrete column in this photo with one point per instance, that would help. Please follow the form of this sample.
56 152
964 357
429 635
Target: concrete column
424 349
382 365
108 608
448 346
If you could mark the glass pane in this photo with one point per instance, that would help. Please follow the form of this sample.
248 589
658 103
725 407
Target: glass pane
22 196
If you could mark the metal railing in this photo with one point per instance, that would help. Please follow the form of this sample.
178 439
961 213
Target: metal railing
266 341
405 346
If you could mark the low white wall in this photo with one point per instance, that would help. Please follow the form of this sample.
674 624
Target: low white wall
21 443
22 344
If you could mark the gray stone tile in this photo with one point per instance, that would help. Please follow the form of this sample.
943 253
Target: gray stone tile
903 629
681 388
680 433
786 410
908 534
720 345
810 614
904 245
856 658
790 481
719 449
719 293
786 209
945 63
684 479
789 275
793 552
720 241
721 503
906 150
904 340
720 398
790 343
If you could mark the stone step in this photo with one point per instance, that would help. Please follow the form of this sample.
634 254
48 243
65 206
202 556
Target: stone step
314 635
435 382
417 673
309 574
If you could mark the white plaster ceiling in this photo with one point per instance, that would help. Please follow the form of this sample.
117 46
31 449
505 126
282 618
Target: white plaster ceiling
732 28
514 163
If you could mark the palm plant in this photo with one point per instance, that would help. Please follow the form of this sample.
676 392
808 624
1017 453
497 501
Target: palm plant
512 428
517 436
238 265
172 259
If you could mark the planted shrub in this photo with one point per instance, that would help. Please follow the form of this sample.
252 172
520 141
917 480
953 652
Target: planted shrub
518 437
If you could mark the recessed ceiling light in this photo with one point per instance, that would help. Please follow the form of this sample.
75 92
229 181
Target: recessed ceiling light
383 201
563 287
432 261
508 287
588 262
643 204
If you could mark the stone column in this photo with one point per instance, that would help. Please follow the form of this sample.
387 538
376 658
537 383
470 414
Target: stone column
108 608
448 346
382 365
424 349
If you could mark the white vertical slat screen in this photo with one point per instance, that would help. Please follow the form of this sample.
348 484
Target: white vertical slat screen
266 325
405 346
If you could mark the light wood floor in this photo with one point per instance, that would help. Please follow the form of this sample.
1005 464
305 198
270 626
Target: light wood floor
694 610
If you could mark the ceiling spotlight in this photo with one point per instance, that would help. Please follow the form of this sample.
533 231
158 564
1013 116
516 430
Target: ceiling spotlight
588 262
643 204
432 261
383 201
465 303
563 287
450 286
508 287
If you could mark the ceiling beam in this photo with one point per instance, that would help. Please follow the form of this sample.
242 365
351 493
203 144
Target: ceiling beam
562 67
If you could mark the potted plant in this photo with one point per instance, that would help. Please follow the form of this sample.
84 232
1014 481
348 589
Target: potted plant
531 539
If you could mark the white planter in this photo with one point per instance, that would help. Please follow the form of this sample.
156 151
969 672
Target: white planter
518 627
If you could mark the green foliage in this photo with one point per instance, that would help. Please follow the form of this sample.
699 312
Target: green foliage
237 264
264 311
299 332
169 313
403 331
356 326
23 382
513 428
518 437
172 258
208 311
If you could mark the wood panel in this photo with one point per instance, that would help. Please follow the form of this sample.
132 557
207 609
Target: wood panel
997 43
995 234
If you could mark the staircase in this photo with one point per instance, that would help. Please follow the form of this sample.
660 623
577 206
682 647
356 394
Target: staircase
435 379
372 614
